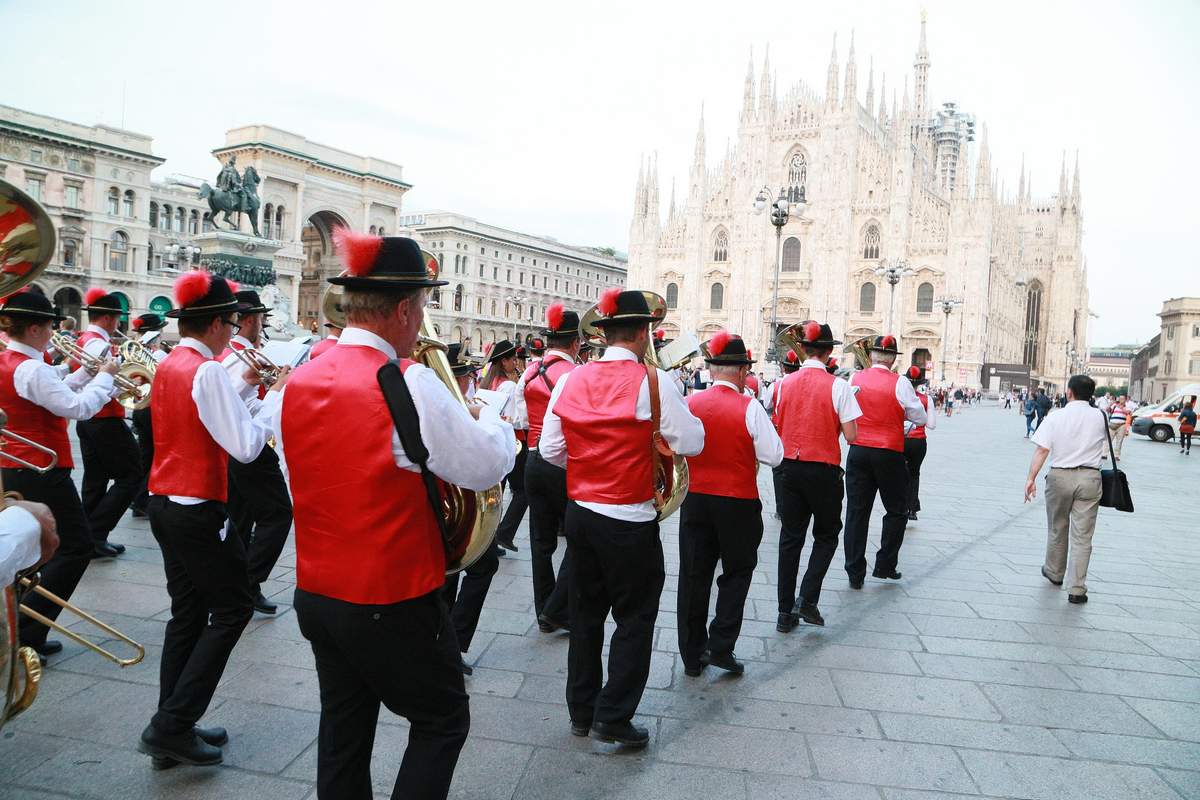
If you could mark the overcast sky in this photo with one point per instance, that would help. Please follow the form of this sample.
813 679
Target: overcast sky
534 115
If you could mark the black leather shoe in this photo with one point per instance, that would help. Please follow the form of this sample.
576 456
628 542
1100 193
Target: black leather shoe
48 648
499 551
810 614
856 583
186 747
139 513
725 661
786 622
1046 575
466 668
120 548
105 550
893 575
693 670
580 728
264 606
550 625
1077 599
625 733
214 736
912 515
507 544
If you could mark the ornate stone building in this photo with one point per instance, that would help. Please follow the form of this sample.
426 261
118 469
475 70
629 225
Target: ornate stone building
887 182
1170 360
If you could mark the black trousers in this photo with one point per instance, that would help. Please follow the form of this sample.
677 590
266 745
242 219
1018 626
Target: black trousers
806 491
517 505
870 470
402 656
616 566
211 603
260 511
110 455
61 573
466 600
546 489
144 430
712 529
914 454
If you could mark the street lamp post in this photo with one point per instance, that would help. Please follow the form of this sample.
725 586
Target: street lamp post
781 211
892 272
517 300
947 305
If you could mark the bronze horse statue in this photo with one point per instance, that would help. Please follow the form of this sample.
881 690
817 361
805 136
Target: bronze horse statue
244 201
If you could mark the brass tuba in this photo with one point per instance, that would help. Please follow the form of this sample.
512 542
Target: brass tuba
859 349
331 306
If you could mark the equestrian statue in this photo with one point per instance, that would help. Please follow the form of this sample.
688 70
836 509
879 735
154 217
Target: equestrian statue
234 194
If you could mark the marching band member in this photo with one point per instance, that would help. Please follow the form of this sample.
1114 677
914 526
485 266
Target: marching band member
599 426
915 443
546 483
370 564
200 421
537 347
876 462
813 409
142 426
832 366
501 376
39 403
721 517
326 343
787 365
110 454
522 359
260 509
28 538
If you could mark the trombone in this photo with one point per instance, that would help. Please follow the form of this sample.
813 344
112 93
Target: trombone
134 395
268 370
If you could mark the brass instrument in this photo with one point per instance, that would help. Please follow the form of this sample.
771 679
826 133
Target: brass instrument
134 395
134 352
789 339
860 349
268 370
331 306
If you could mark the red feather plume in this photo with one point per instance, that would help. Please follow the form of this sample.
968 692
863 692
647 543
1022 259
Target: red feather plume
661 335
914 373
832 363
889 341
554 316
358 250
93 294
608 301
191 286
718 343
234 286
487 348
791 357
749 354
137 324
812 331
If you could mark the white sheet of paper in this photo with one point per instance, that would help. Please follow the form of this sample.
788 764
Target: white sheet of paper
492 398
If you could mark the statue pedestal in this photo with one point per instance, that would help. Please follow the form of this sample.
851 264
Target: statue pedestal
249 260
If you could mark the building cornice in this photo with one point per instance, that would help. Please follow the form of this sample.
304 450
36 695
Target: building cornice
571 253
83 144
283 151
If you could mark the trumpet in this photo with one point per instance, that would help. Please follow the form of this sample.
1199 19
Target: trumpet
134 395
268 370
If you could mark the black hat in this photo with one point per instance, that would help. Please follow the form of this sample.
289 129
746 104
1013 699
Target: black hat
884 344
790 362
522 352
500 350
537 347
817 334
457 366
100 301
916 374
29 305
383 263
201 294
726 349
831 366
560 322
249 302
616 306
144 323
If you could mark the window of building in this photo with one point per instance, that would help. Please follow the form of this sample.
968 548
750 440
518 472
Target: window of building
871 242
268 219
672 295
791 254
556 284
495 273
716 297
71 195
33 187
194 222
478 305
521 278
721 246
180 215
1039 231
458 297
279 223
481 269
36 154
73 164
507 310
508 275
1170 331
127 206
371 230
510 256
925 298
153 214
797 177
866 298
1194 366
493 308
206 223
1196 330
149 257
118 251
166 218
70 253
545 282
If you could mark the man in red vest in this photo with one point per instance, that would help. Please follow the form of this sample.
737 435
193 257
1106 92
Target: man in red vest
370 559
546 483
876 462
814 408
721 517
38 404
915 442
600 425
199 422
260 509
110 454
326 343
787 365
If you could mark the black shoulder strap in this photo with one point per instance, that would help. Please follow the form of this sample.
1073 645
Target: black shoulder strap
542 367
408 427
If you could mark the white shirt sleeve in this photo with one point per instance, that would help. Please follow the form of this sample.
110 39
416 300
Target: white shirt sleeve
509 409
682 430
552 446
237 371
844 401
521 417
768 447
226 417
99 348
907 397
931 419
20 542
1044 434
37 382
76 380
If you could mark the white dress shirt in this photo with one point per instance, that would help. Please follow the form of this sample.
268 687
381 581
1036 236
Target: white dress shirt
522 417
20 542
768 447
681 430
1076 436
40 384
102 349
473 454
237 374
906 396
509 409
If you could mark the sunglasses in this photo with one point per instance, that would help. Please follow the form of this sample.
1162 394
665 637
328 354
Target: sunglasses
236 328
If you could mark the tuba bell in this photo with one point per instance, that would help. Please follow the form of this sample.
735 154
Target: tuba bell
331 306
859 349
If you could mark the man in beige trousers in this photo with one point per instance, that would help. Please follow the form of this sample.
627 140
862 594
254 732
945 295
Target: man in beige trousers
1074 439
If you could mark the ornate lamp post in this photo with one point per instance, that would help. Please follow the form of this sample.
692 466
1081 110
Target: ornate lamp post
892 272
517 300
947 305
781 211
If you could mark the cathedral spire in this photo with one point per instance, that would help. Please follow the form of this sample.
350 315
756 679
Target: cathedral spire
652 192
921 71
831 83
850 93
1021 185
983 170
904 107
1075 189
1062 181
764 86
639 194
882 101
671 211
870 103
698 157
748 94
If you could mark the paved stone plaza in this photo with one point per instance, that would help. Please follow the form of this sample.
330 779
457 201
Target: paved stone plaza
970 677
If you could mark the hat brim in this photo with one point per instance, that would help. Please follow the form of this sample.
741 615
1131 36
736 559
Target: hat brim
821 343
621 318
385 284
206 311
728 362
258 309
511 351
32 314
891 351
103 310
546 332
150 328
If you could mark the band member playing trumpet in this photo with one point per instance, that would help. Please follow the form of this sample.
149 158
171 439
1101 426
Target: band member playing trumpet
39 403
142 425
260 509
111 459
199 422
326 343
599 425
721 517
875 462
370 563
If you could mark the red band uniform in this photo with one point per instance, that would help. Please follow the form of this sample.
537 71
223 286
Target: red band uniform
370 565
915 442
326 343
721 517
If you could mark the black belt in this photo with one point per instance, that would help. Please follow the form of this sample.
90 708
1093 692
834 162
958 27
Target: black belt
1070 468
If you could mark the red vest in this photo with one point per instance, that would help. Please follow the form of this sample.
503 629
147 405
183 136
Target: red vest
806 419
228 351
188 462
608 447
112 408
919 431
321 347
537 393
752 384
727 466
365 532
29 420
882 423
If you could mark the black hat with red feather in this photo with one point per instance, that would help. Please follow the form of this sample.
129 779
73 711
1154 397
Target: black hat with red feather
537 346
884 344
144 323
817 334
100 302
916 374
618 306
383 263
560 322
29 305
726 349
831 366
790 362
201 294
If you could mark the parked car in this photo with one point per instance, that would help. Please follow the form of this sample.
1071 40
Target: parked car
1161 421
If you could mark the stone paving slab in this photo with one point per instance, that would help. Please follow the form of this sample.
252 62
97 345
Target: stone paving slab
970 678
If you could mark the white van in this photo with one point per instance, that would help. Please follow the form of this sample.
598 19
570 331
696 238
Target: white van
1161 421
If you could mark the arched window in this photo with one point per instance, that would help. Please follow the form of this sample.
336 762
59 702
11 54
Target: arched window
791 254
1033 324
70 256
118 251
458 297
797 177
493 308
478 305
716 297
382 232
371 230
194 222
127 208
672 295
153 215
871 241
866 298
165 219
150 257
268 220
206 223
925 298
435 298
179 217
1038 233
721 246
114 201
278 222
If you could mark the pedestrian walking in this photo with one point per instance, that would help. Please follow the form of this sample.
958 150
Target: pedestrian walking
1043 407
1029 408
1118 424
1187 426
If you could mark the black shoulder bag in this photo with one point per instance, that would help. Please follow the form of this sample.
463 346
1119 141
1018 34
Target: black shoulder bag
1114 486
